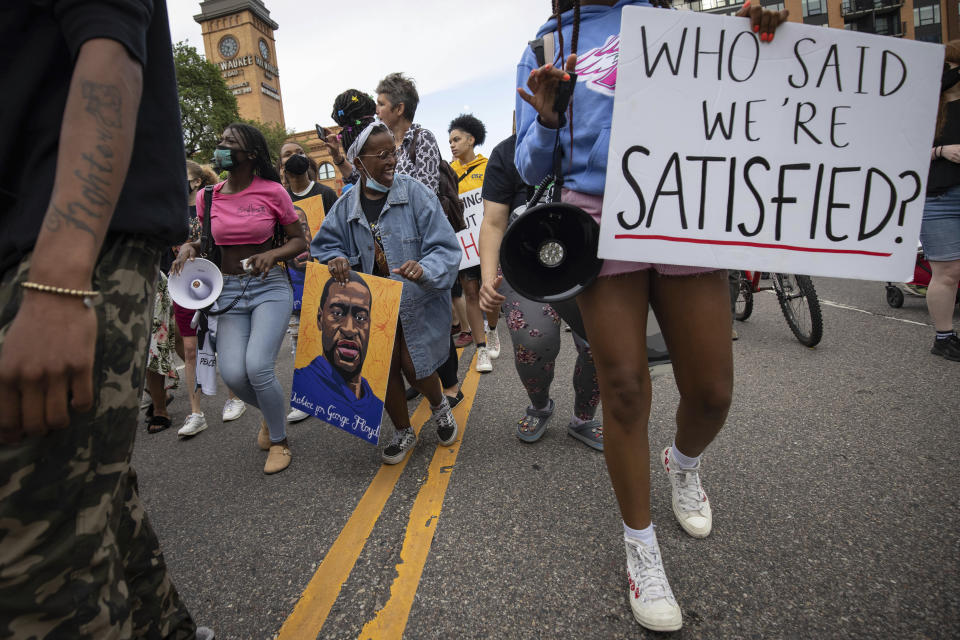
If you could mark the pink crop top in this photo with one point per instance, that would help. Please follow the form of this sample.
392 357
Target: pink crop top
248 217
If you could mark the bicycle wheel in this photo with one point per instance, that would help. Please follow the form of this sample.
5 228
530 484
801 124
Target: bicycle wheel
801 307
744 305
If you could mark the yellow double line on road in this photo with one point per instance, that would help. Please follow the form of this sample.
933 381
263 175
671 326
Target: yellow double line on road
314 606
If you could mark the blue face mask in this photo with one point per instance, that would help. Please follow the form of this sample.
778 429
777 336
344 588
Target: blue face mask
373 184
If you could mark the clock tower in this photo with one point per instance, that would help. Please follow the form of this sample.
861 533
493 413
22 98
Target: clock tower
238 39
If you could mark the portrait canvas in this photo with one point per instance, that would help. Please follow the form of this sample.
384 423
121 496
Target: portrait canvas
344 350
313 208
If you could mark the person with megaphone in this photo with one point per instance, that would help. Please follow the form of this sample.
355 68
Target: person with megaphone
570 103
393 226
253 224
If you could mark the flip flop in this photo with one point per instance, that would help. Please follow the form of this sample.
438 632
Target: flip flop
158 424
589 433
532 425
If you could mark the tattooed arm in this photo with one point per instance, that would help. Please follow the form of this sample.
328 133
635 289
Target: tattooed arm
48 353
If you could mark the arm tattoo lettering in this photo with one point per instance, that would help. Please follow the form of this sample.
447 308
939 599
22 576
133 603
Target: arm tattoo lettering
91 193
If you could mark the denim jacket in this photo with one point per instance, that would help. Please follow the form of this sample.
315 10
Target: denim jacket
412 227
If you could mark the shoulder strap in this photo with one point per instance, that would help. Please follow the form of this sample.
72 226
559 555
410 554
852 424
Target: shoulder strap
549 49
206 246
461 178
544 49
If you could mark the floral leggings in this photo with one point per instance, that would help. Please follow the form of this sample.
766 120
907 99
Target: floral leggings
535 331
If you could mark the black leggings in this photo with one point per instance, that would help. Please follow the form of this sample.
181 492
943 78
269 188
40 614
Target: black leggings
448 370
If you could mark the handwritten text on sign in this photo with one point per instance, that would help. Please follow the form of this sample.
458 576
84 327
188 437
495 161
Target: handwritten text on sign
469 238
807 155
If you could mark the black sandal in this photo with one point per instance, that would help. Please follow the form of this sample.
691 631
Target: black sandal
157 424
170 398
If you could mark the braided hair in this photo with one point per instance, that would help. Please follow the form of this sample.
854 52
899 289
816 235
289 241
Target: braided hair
353 110
252 141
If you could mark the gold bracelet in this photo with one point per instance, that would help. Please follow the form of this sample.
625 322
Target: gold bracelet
87 296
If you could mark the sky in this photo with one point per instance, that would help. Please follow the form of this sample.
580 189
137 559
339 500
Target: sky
462 55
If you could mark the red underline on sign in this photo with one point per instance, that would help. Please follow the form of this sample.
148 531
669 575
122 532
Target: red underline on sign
760 245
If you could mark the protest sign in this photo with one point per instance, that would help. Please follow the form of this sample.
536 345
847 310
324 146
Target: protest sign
469 238
313 208
311 212
345 348
807 155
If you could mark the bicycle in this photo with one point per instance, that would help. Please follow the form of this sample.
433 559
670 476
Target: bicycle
798 301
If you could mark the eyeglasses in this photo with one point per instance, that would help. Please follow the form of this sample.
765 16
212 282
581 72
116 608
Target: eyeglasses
383 155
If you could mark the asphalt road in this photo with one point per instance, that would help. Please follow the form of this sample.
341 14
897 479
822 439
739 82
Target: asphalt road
833 486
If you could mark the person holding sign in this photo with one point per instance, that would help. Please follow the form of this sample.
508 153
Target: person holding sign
940 229
299 174
692 304
392 226
466 132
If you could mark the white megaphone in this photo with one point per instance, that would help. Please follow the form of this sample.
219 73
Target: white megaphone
197 285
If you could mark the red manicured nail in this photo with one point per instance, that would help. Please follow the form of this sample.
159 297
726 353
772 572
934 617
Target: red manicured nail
756 28
770 39
747 3
566 77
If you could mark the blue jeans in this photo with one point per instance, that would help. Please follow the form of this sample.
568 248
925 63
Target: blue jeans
248 340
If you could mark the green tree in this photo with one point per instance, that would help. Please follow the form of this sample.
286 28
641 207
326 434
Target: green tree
206 105
275 134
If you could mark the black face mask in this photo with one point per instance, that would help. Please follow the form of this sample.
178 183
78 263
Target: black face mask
949 78
297 164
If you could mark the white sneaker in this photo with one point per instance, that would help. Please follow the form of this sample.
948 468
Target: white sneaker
400 446
194 424
233 409
296 415
690 503
483 360
493 343
651 598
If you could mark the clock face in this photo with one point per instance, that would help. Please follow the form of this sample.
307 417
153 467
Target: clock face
228 47
264 50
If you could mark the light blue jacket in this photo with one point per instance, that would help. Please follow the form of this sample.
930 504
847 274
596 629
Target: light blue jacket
412 227
598 53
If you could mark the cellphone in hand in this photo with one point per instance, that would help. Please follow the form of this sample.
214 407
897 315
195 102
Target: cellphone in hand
322 132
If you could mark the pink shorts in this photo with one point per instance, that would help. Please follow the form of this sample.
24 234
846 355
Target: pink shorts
593 205
183 318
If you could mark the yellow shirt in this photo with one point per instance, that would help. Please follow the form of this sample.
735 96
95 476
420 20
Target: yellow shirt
476 169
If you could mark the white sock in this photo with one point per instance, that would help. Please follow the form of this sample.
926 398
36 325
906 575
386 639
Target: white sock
685 462
576 422
646 536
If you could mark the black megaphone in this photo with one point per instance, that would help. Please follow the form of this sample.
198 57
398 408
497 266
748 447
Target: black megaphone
549 252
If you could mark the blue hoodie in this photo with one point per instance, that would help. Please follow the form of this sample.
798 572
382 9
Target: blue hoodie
598 52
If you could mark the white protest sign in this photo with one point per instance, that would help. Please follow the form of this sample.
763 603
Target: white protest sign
469 238
808 155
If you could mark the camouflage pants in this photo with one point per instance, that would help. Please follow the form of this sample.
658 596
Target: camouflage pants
78 557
